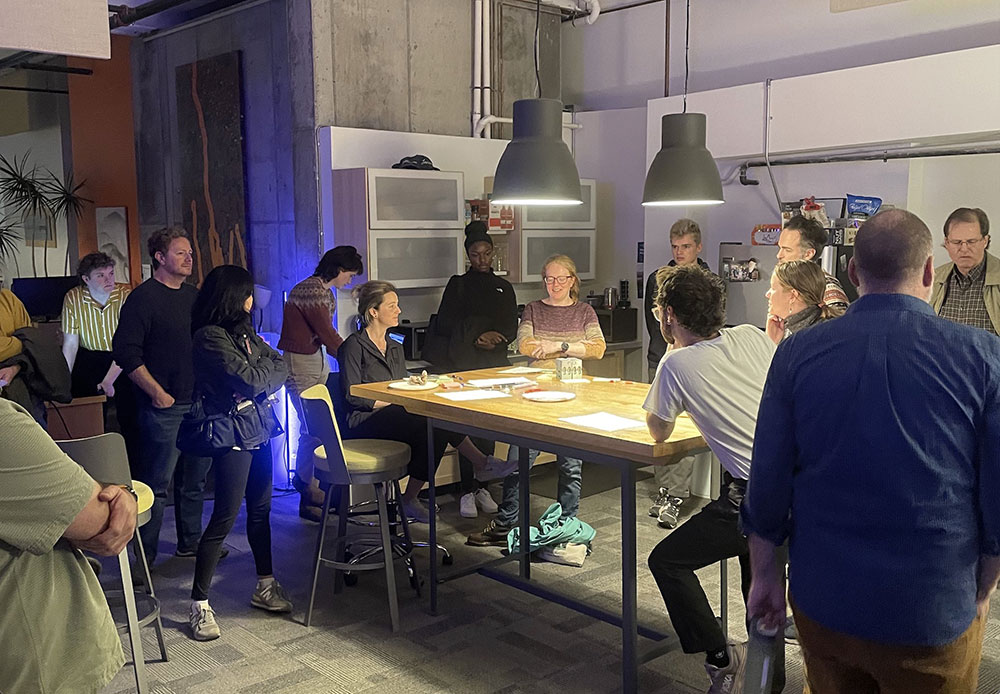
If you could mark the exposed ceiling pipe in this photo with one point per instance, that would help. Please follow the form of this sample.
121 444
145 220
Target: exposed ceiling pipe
477 63
486 81
123 15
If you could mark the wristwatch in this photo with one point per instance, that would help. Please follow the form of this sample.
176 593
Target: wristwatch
128 488
564 346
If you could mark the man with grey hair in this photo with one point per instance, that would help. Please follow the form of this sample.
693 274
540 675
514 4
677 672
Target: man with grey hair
890 506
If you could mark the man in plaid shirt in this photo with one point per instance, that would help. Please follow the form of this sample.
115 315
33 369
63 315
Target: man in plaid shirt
967 290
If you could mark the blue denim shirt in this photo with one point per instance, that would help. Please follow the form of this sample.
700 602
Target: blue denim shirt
877 454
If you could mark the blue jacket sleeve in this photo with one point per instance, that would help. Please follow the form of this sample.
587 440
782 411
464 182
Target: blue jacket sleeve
989 470
767 506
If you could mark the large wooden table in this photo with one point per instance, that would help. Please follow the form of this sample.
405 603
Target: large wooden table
527 424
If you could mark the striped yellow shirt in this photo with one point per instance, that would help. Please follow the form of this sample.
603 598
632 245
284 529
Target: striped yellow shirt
96 325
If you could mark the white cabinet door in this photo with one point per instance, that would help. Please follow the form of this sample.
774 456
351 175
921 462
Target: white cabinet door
564 216
415 258
538 244
412 199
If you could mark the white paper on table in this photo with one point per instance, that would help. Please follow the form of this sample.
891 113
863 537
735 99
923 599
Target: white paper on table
605 421
521 370
575 380
491 382
463 395
605 379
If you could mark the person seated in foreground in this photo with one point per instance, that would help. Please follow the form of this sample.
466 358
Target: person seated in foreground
368 356
56 631
716 375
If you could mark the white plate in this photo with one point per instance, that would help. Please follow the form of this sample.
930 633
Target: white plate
406 385
548 396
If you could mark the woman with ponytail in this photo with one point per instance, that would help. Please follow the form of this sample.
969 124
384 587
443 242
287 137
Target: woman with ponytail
795 300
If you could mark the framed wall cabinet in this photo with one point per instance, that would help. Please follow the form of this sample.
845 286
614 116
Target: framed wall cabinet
412 199
539 244
406 224
564 216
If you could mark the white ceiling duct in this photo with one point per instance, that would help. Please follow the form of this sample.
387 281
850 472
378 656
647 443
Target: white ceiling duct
592 7
847 5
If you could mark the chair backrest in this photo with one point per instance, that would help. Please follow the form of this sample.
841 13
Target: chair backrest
322 423
103 457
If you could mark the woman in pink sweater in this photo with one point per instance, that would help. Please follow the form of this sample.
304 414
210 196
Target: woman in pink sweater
557 326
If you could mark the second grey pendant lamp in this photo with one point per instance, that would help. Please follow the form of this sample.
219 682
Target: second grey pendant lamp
536 167
683 172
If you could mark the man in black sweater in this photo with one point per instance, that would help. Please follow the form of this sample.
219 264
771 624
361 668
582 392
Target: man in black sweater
674 481
153 346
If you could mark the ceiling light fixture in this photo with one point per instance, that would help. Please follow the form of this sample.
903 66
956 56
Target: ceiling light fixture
536 167
683 172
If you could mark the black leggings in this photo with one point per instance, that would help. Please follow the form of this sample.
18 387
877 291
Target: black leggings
237 474
394 423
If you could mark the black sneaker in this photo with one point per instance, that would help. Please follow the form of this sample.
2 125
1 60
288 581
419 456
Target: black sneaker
670 511
661 498
493 535
188 553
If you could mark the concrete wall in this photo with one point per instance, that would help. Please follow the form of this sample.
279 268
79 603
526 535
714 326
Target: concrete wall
259 33
619 60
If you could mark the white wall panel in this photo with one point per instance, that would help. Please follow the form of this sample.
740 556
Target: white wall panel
64 27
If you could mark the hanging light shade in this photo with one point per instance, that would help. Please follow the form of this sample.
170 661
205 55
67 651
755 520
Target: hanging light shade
536 167
683 171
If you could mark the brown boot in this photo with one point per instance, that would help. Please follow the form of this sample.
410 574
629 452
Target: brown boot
311 499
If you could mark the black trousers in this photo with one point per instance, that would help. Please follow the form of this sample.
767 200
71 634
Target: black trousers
394 423
467 470
238 474
709 536
121 412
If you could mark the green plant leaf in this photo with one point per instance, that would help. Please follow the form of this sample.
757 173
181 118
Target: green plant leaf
22 188
10 237
63 195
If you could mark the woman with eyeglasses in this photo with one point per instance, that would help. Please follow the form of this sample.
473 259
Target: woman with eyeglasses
557 326
795 299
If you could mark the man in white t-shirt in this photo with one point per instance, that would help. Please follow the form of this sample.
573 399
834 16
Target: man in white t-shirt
717 376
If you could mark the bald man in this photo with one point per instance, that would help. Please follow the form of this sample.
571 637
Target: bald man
889 507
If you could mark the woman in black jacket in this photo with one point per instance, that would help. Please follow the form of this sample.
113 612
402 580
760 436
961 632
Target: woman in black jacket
475 322
232 365
368 356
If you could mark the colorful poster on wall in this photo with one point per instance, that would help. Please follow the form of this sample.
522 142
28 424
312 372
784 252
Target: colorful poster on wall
210 128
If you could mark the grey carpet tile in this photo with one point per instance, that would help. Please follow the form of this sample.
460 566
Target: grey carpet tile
488 638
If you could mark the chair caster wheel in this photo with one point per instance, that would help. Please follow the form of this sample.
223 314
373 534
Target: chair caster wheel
350 579
447 560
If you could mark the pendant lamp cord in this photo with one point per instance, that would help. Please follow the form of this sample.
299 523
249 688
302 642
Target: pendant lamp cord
538 75
687 44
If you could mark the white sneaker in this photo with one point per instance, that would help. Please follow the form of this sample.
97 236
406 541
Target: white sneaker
203 624
485 502
467 506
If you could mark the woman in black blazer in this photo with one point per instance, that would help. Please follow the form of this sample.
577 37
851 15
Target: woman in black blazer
368 356
233 365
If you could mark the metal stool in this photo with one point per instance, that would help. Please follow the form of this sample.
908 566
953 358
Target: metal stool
341 464
104 458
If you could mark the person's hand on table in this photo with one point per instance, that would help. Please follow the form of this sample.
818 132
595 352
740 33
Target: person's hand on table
8 373
546 347
775 328
121 523
489 340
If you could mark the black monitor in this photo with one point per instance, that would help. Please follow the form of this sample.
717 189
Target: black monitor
43 296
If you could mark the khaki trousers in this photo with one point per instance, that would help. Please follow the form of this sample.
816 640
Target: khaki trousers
305 371
837 663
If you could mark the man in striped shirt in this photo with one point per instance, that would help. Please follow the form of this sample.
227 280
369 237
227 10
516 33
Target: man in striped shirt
89 320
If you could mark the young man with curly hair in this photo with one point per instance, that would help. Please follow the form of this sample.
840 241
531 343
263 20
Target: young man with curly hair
717 376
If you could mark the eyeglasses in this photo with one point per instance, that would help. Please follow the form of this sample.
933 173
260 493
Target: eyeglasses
957 244
561 280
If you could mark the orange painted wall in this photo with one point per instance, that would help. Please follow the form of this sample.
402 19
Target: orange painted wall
103 143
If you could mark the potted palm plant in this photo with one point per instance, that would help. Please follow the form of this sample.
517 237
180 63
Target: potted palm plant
29 193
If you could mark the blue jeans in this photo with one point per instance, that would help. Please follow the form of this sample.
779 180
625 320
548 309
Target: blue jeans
158 429
568 494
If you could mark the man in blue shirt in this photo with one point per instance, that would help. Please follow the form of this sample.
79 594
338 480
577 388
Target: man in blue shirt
889 504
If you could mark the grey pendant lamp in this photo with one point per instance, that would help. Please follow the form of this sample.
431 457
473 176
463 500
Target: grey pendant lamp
537 168
683 172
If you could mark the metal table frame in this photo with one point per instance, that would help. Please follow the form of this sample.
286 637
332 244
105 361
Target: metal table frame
628 620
